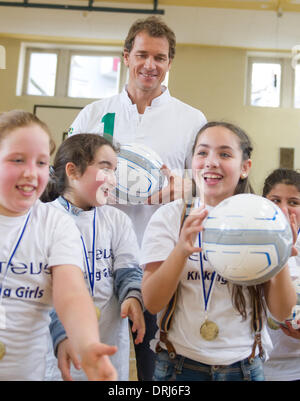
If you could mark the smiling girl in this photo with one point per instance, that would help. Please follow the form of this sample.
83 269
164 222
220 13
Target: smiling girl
210 336
282 187
82 178
39 266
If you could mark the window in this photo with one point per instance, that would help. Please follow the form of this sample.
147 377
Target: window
69 72
41 74
94 76
265 84
272 82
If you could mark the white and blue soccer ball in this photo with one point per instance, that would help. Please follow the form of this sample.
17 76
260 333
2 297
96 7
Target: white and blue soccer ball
247 239
138 174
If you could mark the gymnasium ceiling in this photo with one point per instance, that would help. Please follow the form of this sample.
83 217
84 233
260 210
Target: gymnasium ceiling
262 5
251 24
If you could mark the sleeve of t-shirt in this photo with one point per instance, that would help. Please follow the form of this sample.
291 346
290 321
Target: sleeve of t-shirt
65 247
89 120
76 126
161 234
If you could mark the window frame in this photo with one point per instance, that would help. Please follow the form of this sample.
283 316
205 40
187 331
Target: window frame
64 54
262 60
29 51
287 82
120 82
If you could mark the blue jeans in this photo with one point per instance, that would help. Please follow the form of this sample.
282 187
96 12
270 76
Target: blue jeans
185 369
145 357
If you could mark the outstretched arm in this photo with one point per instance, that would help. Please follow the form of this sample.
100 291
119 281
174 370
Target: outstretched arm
280 294
76 311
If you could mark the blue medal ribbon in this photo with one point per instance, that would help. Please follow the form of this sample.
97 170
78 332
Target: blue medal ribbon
90 270
206 296
15 247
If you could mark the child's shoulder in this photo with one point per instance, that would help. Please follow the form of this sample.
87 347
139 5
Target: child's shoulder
47 212
111 212
171 208
55 222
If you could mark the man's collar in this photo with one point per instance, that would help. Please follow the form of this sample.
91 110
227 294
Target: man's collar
157 101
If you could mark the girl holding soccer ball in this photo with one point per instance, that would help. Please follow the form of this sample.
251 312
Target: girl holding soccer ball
217 330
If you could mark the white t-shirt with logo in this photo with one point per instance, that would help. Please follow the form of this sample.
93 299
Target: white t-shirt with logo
284 361
116 248
27 287
235 339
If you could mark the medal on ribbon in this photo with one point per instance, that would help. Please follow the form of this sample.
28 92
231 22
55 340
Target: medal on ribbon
98 312
209 330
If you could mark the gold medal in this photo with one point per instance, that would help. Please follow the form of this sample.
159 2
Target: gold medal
209 330
98 313
272 324
2 350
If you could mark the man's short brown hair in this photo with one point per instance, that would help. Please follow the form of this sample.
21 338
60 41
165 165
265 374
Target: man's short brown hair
155 27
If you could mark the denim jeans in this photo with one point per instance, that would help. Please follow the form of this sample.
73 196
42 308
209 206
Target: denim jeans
185 369
145 357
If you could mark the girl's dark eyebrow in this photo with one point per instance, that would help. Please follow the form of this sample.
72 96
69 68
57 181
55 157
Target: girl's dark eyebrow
108 164
291 198
294 198
218 147
105 162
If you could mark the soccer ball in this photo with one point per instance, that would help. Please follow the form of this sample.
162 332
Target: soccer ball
247 239
138 174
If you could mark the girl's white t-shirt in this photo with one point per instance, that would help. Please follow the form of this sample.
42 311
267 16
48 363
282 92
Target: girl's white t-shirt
284 361
51 238
116 248
235 339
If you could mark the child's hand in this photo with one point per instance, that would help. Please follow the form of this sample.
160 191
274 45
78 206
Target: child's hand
191 227
131 308
66 355
177 188
96 363
290 331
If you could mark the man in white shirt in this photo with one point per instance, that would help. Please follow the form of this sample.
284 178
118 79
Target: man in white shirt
145 112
